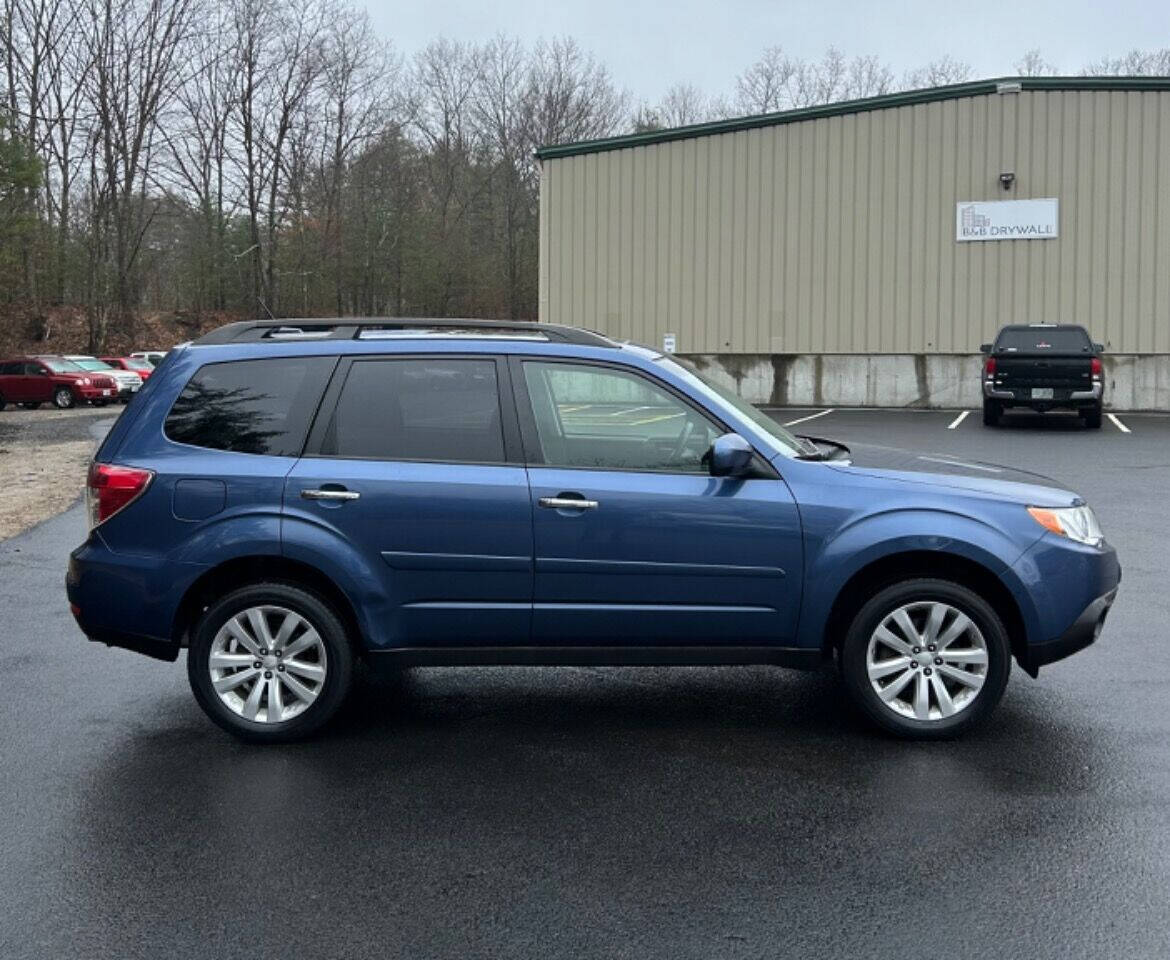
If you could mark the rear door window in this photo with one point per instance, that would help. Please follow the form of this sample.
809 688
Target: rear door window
432 409
1038 340
250 406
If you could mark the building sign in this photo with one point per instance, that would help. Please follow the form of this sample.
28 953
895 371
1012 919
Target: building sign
668 343
1008 219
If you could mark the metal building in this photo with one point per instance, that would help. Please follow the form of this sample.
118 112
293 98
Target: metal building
860 252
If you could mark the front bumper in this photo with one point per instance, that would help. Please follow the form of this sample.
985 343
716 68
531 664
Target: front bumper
97 393
1085 629
1070 589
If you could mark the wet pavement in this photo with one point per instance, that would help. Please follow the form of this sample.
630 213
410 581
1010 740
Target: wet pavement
531 812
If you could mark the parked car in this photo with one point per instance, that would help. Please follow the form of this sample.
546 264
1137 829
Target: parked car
129 382
153 357
135 365
31 381
283 500
1043 366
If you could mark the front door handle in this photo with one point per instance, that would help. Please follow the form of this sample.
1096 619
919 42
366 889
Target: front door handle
567 503
329 494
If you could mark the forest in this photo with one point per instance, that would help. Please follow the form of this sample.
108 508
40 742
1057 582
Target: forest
214 159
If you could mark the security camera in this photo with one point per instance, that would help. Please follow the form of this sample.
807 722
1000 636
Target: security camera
1007 179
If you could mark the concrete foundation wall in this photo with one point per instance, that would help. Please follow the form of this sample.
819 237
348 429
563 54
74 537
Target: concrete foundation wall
909 380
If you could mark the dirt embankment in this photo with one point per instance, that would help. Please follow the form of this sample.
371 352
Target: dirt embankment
43 458
62 329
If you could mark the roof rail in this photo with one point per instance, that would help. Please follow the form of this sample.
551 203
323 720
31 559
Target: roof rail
353 328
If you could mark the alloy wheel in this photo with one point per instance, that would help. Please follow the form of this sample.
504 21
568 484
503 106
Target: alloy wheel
927 660
267 664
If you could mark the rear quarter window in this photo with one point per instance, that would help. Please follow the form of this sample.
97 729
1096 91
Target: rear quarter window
250 406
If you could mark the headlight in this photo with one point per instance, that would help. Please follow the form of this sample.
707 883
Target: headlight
85 381
1076 523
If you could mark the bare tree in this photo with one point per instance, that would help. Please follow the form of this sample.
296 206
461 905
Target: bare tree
198 145
938 73
1136 63
134 48
279 48
356 98
764 87
1033 64
571 96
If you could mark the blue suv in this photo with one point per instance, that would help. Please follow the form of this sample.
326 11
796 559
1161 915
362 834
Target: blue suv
286 498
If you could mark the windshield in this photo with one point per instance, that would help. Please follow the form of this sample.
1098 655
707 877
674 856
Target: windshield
93 365
60 366
787 443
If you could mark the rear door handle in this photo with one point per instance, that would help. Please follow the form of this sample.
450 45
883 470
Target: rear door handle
567 503
329 494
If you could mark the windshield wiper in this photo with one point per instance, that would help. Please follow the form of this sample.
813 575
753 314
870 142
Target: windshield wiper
814 452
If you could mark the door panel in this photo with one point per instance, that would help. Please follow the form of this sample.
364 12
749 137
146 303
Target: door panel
442 510
665 558
453 542
662 552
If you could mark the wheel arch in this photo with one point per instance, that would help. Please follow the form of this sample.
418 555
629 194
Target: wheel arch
246 570
914 564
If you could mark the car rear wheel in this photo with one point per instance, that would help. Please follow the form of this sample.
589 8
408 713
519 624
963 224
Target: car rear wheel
991 413
31 406
3 402
926 659
270 662
1093 418
63 398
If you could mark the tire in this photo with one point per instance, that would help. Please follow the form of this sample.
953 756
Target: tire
1093 418
3 402
63 398
333 655
970 702
31 406
99 403
992 411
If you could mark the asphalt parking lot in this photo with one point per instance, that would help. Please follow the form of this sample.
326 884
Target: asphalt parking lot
731 812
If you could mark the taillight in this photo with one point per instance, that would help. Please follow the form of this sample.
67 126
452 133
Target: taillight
109 489
1095 367
989 367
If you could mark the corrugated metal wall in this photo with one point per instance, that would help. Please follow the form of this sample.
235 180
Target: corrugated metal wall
837 235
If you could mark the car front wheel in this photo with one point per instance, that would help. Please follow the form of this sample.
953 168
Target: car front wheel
926 659
270 662
63 398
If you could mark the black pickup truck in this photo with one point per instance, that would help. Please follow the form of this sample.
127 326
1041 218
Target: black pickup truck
1043 366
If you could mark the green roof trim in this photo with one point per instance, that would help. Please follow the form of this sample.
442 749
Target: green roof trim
886 101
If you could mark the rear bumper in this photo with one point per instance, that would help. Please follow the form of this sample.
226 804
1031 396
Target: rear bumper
125 601
1061 397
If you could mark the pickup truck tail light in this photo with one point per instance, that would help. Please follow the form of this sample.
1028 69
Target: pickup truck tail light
110 488
1095 367
989 367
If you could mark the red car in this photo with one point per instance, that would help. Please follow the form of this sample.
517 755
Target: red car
31 381
140 367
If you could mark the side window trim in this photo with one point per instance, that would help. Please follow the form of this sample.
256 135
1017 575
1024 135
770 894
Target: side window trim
513 449
530 433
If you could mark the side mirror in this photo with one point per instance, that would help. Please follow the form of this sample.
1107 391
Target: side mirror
730 456
1099 347
985 348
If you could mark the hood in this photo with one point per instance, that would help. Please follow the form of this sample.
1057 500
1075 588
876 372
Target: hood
947 470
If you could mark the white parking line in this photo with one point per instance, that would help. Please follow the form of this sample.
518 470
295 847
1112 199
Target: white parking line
1117 423
959 419
793 423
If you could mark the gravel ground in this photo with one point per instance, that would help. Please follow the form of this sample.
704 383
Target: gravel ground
43 456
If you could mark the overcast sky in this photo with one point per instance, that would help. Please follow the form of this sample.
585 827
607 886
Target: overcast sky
649 46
